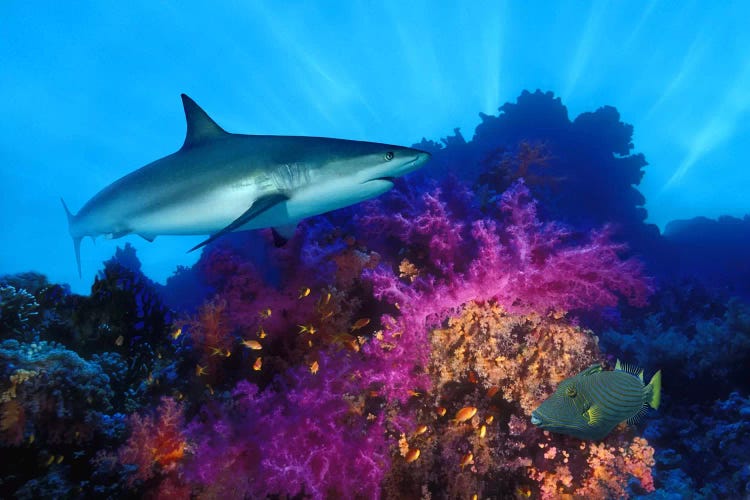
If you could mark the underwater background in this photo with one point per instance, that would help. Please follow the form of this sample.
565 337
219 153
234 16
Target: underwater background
586 201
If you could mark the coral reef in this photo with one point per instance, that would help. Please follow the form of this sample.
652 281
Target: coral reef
393 349
156 444
501 366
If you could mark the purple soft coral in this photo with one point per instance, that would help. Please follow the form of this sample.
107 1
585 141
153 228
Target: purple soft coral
524 264
306 439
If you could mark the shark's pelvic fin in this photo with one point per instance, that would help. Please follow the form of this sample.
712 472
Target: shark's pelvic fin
200 126
258 207
282 234
76 239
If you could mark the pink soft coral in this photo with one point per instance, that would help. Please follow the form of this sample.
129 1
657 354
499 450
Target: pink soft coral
525 265
529 265
312 438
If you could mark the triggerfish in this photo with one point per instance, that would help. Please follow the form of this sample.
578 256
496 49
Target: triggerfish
589 405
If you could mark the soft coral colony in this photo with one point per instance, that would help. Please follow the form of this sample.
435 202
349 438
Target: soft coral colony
363 363
396 349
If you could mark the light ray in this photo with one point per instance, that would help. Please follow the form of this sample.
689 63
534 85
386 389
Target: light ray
719 128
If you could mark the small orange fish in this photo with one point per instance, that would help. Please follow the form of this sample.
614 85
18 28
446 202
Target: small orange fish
467 459
325 299
352 345
119 340
210 389
398 307
258 364
360 323
314 367
252 344
307 328
200 370
482 432
60 459
261 333
216 351
176 334
31 439
326 315
414 394
524 491
441 411
492 391
420 430
489 419
465 414
412 455
265 313
304 292
50 460
227 353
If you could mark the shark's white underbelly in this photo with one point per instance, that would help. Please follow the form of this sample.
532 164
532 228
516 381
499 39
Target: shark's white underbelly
213 211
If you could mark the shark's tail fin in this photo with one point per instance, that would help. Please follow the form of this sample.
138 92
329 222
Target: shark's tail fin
76 239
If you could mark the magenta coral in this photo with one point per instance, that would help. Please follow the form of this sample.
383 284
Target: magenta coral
311 438
525 265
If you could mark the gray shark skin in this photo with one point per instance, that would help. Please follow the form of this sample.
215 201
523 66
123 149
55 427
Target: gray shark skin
220 182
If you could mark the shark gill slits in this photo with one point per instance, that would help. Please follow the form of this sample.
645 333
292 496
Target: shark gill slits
388 156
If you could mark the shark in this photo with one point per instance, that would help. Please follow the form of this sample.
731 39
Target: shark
219 182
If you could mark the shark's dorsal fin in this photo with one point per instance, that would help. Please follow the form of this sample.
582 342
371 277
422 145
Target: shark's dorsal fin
200 126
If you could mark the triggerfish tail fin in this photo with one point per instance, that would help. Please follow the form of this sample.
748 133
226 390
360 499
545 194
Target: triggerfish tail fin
655 386
76 239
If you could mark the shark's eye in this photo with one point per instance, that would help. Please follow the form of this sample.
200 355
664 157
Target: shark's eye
388 156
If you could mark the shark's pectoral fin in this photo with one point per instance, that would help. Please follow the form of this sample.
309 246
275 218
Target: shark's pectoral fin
148 237
258 207
282 234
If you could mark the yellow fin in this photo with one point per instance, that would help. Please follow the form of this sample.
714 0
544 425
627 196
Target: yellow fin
593 415
655 386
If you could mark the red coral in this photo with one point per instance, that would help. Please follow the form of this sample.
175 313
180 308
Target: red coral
156 443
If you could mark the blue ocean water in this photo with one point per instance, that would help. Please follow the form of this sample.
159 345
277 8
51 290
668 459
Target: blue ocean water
585 201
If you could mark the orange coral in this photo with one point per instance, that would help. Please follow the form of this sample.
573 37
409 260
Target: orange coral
211 332
155 441
12 421
525 355
408 270
610 467
351 262
504 365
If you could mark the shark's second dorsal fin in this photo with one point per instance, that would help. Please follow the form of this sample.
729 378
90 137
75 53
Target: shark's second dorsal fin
200 126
